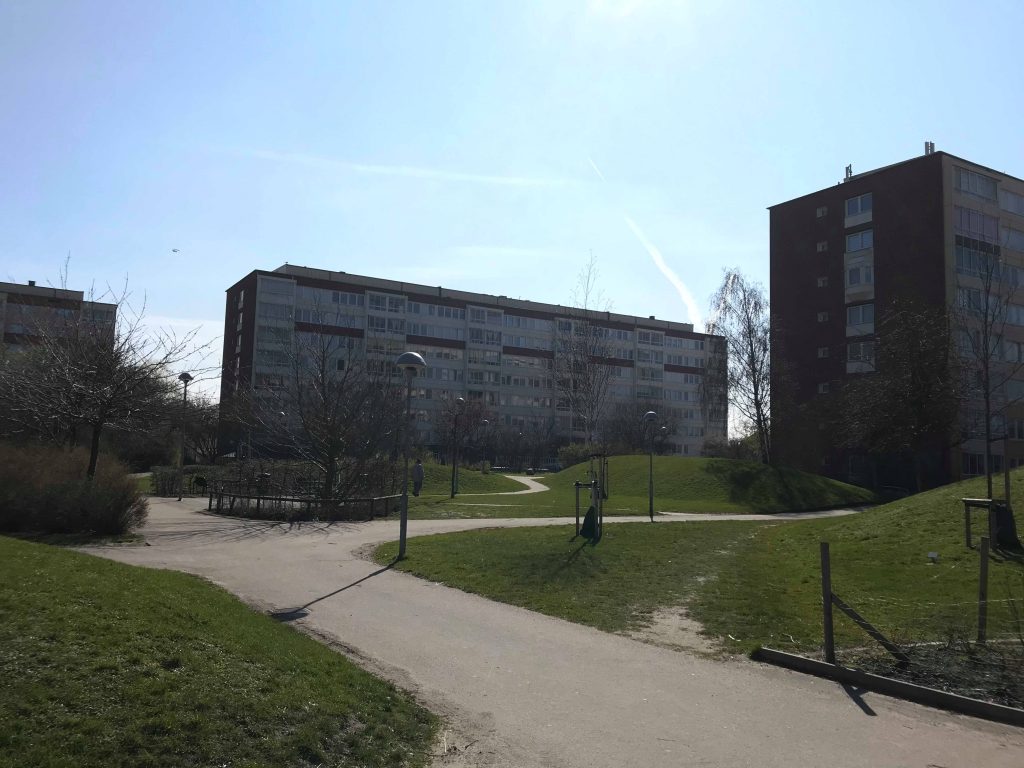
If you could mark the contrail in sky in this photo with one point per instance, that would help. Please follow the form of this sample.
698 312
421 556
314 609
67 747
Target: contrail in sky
659 261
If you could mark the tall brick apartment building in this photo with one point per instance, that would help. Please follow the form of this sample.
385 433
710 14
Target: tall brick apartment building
841 255
493 349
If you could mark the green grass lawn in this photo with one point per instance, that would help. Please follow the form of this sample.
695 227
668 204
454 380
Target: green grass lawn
437 480
108 664
758 582
680 485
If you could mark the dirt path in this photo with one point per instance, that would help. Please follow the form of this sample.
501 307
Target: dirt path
522 689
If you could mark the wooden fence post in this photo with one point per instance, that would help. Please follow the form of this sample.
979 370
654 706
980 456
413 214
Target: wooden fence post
967 526
826 604
983 591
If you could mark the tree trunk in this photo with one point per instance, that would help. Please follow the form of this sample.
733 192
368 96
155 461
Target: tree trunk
94 450
330 477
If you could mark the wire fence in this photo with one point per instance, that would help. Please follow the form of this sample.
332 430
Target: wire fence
972 647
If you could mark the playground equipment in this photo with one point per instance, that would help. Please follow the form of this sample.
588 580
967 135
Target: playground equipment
597 488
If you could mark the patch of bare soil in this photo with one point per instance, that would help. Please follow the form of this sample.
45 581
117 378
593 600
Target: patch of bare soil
673 628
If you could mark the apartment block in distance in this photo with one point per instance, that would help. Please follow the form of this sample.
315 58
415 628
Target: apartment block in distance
480 347
923 228
26 308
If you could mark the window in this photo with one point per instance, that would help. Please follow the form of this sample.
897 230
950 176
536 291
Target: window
477 315
858 205
1015 429
862 314
822 246
396 304
1011 202
821 212
376 323
823 317
654 338
822 352
969 298
975 183
823 282
858 241
823 388
1012 238
378 302
974 463
974 223
862 275
861 352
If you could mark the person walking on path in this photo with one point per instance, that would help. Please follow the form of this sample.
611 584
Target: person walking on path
417 478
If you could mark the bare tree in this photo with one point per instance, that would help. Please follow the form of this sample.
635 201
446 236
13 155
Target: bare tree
582 356
334 403
79 373
201 418
740 314
991 347
624 430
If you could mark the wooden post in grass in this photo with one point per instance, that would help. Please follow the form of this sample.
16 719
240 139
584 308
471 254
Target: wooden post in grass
983 591
826 604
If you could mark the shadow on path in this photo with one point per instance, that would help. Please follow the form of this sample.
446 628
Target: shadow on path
857 696
291 614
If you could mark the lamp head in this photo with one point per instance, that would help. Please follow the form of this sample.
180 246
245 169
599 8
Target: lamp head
650 416
411 363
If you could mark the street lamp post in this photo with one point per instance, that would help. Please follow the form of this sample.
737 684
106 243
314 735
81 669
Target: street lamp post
460 403
410 363
184 378
649 418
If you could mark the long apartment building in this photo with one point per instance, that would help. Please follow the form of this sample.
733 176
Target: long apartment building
480 347
841 255
25 309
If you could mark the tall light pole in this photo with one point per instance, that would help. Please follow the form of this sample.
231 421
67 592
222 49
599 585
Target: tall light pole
649 418
184 378
460 403
411 363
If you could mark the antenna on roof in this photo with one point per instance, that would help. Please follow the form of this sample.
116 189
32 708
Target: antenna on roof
849 173
929 147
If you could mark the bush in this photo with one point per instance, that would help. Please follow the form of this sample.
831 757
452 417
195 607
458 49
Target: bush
45 490
575 453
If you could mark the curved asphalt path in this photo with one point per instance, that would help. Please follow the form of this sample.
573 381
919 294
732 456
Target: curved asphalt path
521 689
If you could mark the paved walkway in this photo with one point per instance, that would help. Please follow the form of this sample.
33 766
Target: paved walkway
522 689
532 486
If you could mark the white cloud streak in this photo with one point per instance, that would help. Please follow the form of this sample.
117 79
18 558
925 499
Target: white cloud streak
659 261
404 171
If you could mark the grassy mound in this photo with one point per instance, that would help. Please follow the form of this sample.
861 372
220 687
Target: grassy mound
108 664
717 485
680 485
437 481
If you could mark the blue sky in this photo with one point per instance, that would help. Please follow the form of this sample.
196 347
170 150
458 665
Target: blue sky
487 146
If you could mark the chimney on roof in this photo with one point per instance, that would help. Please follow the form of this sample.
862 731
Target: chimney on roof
849 173
32 283
929 147
651 317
